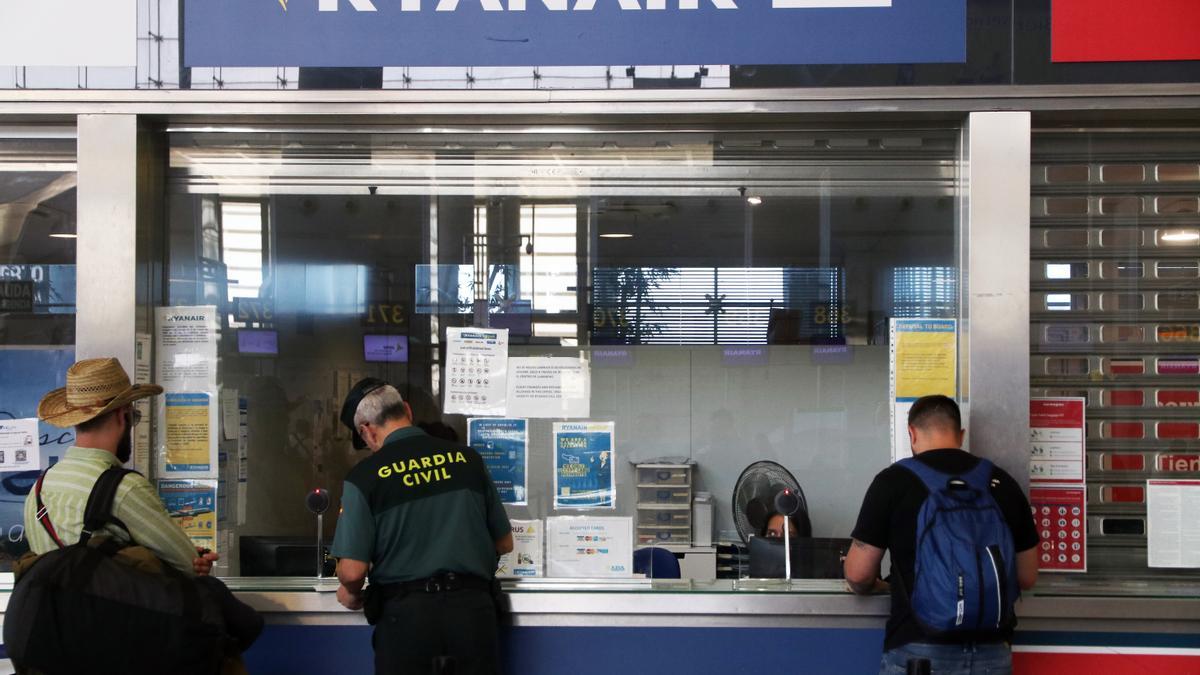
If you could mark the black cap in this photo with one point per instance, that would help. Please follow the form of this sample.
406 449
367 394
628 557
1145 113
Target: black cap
350 406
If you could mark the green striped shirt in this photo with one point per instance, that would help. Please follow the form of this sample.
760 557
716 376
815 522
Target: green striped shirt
65 493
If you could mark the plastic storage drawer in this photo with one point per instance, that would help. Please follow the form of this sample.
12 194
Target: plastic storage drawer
656 535
680 496
654 475
664 517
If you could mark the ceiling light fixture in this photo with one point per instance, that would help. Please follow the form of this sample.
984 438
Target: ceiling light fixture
64 235
754 201
1181 236
616 235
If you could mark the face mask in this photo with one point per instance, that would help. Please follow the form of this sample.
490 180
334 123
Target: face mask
125 447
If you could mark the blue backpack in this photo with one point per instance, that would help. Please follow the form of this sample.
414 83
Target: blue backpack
965 579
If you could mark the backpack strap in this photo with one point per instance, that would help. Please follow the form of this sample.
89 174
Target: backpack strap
98 512
979 477
43 515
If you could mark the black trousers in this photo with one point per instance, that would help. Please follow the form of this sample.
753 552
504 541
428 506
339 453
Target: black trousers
418 628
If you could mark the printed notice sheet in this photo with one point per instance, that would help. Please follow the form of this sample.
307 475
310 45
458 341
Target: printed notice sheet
19 448
1173 523
476 371
189 429
924 361
193 505
584 454
589 547
526 558
504 446
187 348
549 387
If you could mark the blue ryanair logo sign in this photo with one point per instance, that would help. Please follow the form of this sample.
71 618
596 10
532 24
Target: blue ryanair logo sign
363 33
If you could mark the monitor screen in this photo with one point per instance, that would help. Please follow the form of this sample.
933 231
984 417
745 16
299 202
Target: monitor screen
385 348
258 342
812 557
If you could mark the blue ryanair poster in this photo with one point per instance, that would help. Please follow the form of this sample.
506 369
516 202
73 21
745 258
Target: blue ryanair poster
504 446
584 453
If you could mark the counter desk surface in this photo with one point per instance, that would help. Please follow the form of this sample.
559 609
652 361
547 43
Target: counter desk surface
1080 604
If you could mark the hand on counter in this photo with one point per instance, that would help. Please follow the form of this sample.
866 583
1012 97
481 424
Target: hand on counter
349 600
203 563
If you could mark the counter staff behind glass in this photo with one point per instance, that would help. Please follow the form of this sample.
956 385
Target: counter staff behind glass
422 516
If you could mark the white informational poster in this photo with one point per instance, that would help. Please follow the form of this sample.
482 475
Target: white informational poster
1173 523
476 371
584 455
187 348
548 387
924 361
1057 435
100 33
141 375
589 547
243 454
189 419
229 413
19 445
527 557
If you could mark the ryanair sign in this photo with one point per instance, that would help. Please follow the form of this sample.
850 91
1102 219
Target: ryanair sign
367 33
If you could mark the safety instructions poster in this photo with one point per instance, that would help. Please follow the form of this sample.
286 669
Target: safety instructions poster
924 361
589 547
527 557
584 454
189 431
1173 523
476 371
193 505
504 446
1060 514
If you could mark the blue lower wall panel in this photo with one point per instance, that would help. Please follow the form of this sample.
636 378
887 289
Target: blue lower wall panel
597 651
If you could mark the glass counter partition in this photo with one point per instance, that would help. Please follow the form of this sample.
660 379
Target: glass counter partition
37 309
728 290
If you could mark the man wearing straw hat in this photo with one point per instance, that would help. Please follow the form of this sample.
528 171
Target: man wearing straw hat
97 401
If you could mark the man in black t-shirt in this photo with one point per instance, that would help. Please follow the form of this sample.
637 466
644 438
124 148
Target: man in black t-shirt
888 521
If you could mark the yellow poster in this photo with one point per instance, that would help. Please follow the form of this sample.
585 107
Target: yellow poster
188 432
925 358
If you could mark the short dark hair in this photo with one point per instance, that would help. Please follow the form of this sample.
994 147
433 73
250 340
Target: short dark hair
935 411
96 422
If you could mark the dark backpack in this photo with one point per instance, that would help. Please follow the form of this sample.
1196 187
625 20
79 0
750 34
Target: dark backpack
82 609
964 578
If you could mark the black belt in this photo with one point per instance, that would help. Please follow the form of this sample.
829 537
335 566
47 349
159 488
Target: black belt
438 583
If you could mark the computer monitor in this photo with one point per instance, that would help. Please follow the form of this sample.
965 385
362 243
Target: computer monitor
812 557
385 348
258 342
280 557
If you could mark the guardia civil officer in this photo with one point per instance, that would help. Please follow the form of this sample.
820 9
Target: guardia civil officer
422 518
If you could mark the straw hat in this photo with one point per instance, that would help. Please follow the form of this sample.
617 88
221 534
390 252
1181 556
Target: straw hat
94 387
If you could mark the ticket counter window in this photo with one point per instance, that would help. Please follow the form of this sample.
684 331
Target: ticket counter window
728 293
37 310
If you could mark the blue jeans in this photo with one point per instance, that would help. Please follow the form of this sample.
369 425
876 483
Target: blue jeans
989 658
